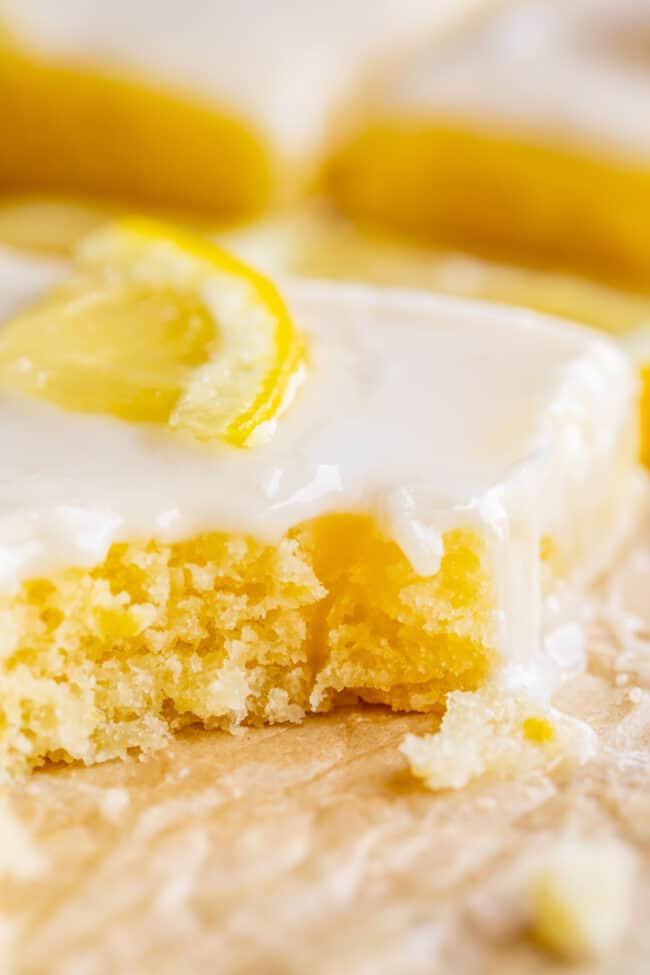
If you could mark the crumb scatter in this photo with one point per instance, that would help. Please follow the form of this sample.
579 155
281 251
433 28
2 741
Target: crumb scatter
496 733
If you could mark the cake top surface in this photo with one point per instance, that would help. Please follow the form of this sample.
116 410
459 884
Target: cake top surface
574 70
423 411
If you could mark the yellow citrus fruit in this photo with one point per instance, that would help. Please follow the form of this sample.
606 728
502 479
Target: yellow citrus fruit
159 325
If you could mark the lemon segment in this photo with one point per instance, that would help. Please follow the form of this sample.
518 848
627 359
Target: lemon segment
158 325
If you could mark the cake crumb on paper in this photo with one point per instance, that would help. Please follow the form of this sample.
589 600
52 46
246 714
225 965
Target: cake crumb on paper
580 897
113 802
19 857
499 734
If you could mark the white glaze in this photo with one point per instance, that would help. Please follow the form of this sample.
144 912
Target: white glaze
429 413
574 70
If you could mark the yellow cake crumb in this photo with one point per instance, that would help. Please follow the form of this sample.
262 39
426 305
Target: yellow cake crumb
223 629
497 733
538 730
581 897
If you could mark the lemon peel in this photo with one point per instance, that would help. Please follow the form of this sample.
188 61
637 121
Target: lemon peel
160 325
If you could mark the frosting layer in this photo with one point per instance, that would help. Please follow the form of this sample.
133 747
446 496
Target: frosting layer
426 412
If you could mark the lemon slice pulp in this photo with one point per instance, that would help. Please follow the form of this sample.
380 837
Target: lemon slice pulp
161 326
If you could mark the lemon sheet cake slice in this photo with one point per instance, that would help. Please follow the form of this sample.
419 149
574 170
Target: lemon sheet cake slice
443 468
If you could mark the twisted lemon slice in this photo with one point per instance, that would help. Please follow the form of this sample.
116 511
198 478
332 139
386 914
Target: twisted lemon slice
161 326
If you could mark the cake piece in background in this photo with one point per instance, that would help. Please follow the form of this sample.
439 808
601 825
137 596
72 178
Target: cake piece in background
219 109
444 469
525 140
